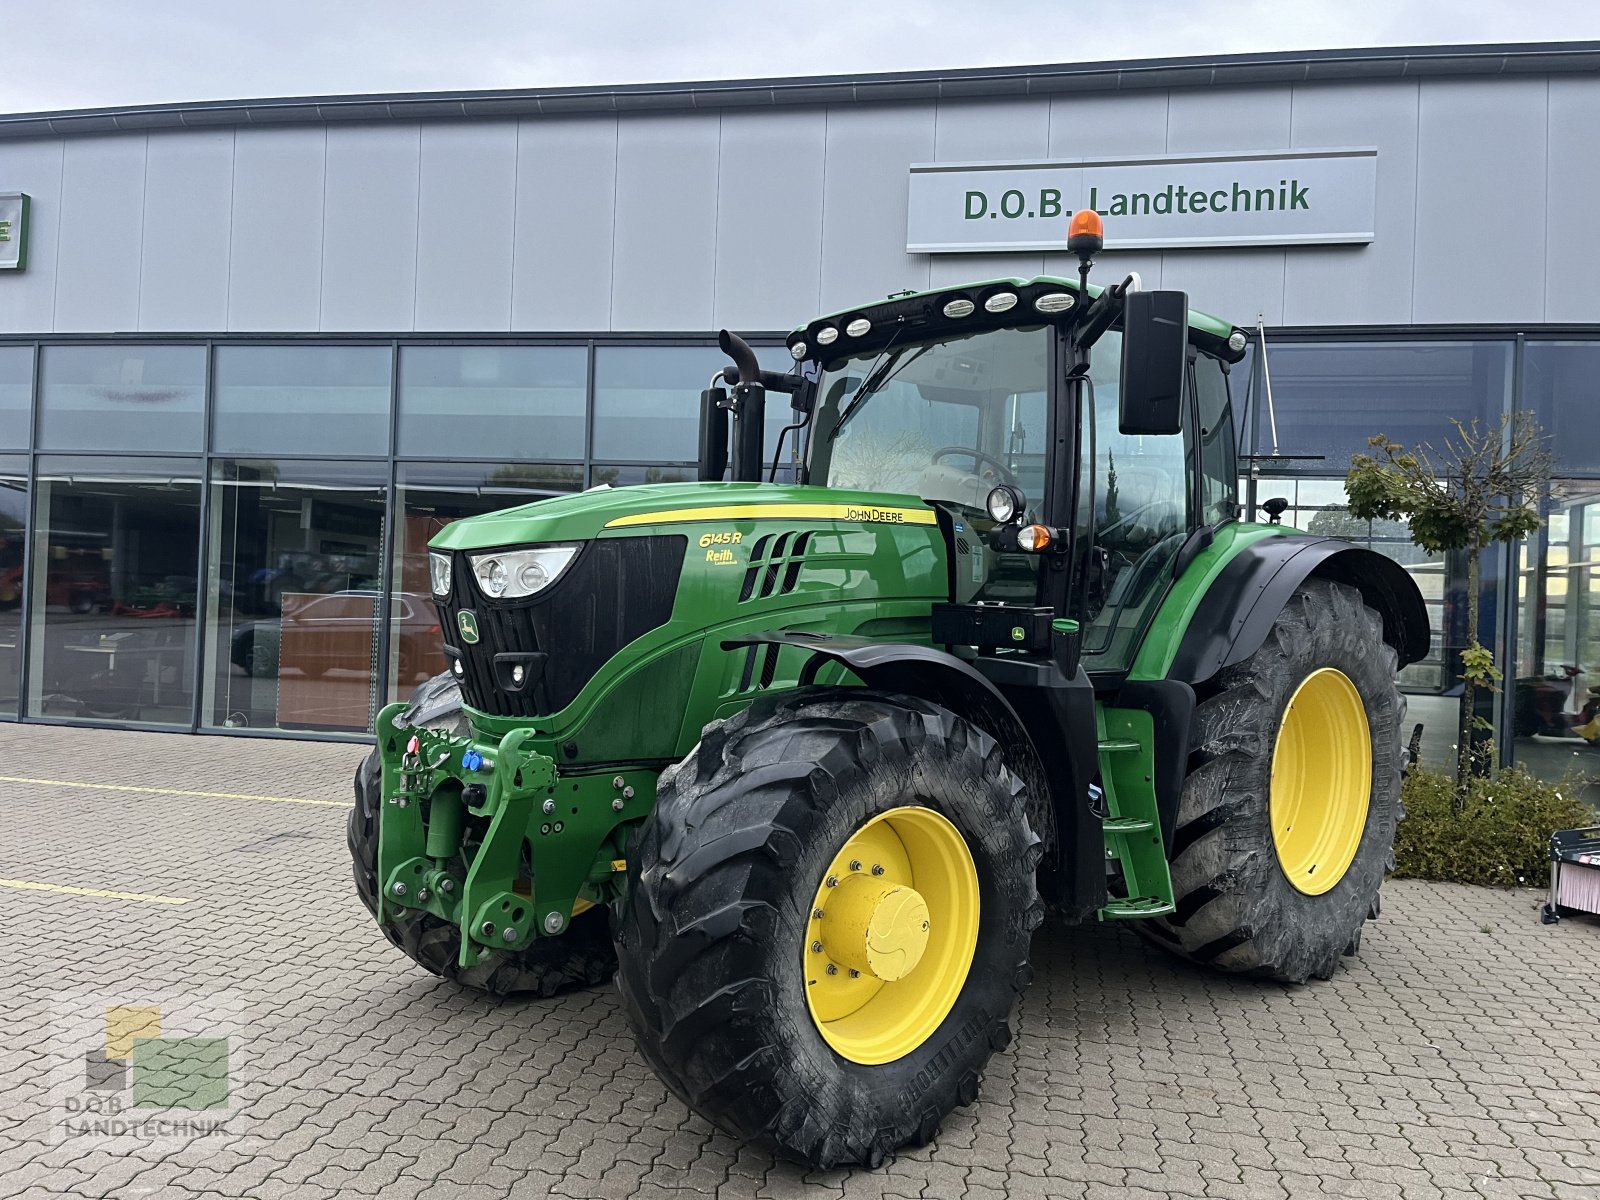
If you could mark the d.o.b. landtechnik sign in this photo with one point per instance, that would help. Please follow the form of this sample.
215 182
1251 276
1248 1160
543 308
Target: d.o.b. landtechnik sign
1283 198
13 231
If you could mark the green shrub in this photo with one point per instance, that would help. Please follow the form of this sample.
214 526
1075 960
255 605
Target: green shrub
1501 836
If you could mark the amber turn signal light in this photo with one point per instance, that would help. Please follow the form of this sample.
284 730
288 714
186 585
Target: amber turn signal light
1033 538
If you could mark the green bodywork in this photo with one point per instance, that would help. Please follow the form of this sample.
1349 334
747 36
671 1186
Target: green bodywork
512 829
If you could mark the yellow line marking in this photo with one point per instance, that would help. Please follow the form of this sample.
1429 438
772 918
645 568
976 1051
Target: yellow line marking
150 791
866 513
28 885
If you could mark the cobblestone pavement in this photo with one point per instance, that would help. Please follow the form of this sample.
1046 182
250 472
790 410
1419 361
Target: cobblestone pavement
1456 1057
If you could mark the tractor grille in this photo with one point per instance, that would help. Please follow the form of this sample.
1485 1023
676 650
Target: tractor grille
775 562
616 590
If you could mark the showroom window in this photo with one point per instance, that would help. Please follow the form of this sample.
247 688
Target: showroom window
301 400
113 588
429 496
122 398
296 592
13 556
516 402
16 395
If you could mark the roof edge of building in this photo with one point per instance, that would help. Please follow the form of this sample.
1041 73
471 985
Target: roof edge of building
1229 70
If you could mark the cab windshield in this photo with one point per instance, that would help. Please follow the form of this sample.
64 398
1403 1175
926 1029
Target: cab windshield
944 421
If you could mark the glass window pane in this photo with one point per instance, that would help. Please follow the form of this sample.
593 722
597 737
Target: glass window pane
302 400
493 401
647 399
432 495
623 474
122 398
1330 397
113 585
16 395
1556 714
1561 384
296 581
13 531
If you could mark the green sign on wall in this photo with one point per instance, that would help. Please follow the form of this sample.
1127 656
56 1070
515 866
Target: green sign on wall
13 231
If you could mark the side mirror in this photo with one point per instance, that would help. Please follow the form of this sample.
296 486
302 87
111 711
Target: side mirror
1155 354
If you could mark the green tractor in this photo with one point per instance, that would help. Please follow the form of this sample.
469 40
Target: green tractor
806 763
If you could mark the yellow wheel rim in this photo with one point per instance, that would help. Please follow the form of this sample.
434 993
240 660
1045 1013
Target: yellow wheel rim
890 936
1321 781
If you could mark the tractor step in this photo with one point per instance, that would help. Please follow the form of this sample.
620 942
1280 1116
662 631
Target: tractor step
1142 906
1132 825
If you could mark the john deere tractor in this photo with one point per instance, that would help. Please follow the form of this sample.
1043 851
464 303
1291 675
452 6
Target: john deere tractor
805 763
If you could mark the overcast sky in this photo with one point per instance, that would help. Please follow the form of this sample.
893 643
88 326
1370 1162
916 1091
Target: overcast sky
87 53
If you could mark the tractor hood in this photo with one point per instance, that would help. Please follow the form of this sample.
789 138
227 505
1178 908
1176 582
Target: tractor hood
635 509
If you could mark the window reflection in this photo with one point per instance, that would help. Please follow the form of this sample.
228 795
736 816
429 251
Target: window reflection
16 395
297 590
113 585
301 400
493 401
13 527
122 398
432 495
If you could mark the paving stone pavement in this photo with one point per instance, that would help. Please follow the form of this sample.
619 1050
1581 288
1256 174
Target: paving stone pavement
1454 1058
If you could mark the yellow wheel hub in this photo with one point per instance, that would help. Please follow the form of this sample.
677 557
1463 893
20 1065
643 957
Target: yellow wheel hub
891 935
1321 781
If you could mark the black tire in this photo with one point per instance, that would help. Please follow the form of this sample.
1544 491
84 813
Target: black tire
722 877
1236 909
581 957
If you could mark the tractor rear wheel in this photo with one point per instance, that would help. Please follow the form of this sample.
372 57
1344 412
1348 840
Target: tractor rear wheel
580 957
1287 822
828 922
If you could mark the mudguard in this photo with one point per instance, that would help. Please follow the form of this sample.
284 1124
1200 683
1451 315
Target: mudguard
1232 620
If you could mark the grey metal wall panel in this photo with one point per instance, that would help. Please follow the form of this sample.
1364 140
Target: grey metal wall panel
769 219
102 218
977 131
864 201
566 198
1481 176
1084 126
275 265
369 250
663 273
1572 247
28 298
1234 284
1372 283
188 197
466 214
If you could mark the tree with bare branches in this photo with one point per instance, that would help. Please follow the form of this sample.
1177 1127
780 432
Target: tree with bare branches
1485 486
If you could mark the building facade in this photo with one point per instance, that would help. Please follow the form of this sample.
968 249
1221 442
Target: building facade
256 353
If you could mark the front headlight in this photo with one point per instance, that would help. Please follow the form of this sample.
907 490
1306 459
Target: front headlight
439 573
512 574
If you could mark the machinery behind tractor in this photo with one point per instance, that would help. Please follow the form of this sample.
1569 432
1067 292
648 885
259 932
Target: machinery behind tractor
806 763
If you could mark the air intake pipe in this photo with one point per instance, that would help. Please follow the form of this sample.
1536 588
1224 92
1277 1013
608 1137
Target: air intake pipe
748 401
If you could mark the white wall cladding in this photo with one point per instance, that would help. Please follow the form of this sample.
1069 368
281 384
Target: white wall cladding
759 218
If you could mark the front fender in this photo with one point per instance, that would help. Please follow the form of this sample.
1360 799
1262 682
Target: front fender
1233 619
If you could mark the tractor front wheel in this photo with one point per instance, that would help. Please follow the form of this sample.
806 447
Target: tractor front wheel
580 957
828 922
1287 821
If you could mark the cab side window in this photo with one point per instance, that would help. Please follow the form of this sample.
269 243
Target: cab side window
1218 456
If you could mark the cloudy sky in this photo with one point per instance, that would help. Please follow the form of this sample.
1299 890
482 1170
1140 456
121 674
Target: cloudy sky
87 53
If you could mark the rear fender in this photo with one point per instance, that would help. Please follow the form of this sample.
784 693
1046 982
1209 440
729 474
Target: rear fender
1238 610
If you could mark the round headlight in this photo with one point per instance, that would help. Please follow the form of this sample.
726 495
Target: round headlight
494 577
1004 503
1001 302
827 335
858 327
533 576
1236 341
797 350
1055 302
959 308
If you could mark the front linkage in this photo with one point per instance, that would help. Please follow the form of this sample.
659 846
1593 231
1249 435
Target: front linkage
545 845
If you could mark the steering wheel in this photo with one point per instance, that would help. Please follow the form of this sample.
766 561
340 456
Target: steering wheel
978 458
